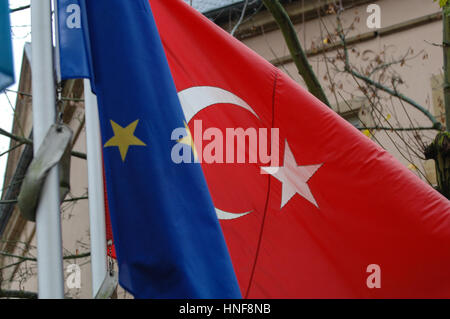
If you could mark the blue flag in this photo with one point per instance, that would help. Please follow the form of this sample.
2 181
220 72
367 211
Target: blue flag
168 240
73 43
6 57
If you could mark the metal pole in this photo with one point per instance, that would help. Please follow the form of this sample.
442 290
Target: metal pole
48 220
95 189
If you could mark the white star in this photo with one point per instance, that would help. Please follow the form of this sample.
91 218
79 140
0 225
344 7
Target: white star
293 177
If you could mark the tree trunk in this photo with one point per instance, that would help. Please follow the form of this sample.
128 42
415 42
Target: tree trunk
298 54
446 46
439 150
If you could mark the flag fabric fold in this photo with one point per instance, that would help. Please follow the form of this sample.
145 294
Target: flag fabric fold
6 56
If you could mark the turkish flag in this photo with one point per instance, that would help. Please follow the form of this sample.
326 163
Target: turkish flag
334 216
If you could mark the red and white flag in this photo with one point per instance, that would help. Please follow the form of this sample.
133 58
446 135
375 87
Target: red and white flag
332 215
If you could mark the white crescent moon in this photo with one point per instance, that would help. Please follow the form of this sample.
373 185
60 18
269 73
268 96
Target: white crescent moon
197 98
225 215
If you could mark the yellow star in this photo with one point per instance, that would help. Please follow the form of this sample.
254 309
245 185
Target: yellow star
188 140
124 137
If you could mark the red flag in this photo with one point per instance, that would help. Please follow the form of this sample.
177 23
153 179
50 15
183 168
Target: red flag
337 216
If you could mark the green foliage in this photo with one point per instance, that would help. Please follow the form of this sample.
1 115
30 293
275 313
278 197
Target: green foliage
442 3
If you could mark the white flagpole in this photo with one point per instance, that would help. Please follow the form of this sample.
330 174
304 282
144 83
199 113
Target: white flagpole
95 189
48 219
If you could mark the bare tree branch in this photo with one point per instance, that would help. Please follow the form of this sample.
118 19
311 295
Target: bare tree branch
24 140
12 149
21 294
12 10
385 128
241 18
24 258
298 55
14 201
30 95
436 124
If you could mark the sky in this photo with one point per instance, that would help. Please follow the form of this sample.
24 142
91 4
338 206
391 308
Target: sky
21 33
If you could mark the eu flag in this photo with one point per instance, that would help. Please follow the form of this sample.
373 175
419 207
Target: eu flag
168 241
6 57
73 40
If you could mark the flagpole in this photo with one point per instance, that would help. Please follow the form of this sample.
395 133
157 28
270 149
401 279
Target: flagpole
48 220
96 190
